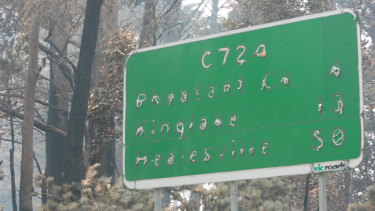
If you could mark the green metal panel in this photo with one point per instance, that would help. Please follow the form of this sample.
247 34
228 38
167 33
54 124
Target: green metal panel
295 99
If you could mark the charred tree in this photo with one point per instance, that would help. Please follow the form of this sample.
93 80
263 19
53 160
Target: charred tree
57 99
148 33
73 145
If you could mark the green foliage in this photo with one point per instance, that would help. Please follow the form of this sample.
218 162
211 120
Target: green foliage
96 194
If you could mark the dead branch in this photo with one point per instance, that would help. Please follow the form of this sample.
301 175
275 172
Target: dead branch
37 124
65 69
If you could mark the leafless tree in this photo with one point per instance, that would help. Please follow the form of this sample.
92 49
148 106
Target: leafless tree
26 186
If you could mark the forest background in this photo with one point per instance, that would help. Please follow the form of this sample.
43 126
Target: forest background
61 70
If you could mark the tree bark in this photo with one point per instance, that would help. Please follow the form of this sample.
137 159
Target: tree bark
77 117
26 186
148 25
57 98
107 28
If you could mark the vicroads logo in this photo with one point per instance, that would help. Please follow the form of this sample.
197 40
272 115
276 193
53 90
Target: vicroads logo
329 167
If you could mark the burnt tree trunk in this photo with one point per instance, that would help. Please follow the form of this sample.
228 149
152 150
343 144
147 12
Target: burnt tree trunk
146 37
73 146
59 87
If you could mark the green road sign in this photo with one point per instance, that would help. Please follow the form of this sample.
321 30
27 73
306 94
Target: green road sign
277 99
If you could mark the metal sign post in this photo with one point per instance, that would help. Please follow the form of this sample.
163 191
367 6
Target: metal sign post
283 98
157 198
322 192
234 196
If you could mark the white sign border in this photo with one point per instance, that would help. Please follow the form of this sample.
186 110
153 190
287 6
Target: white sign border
253 173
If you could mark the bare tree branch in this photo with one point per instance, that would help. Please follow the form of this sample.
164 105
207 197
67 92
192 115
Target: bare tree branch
17 142
37 164
66 70
38 101
37 124
63 57
11 141
162 14
14 88
62 93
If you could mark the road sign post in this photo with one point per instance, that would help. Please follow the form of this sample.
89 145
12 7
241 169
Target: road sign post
234 196
323 191
277 99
